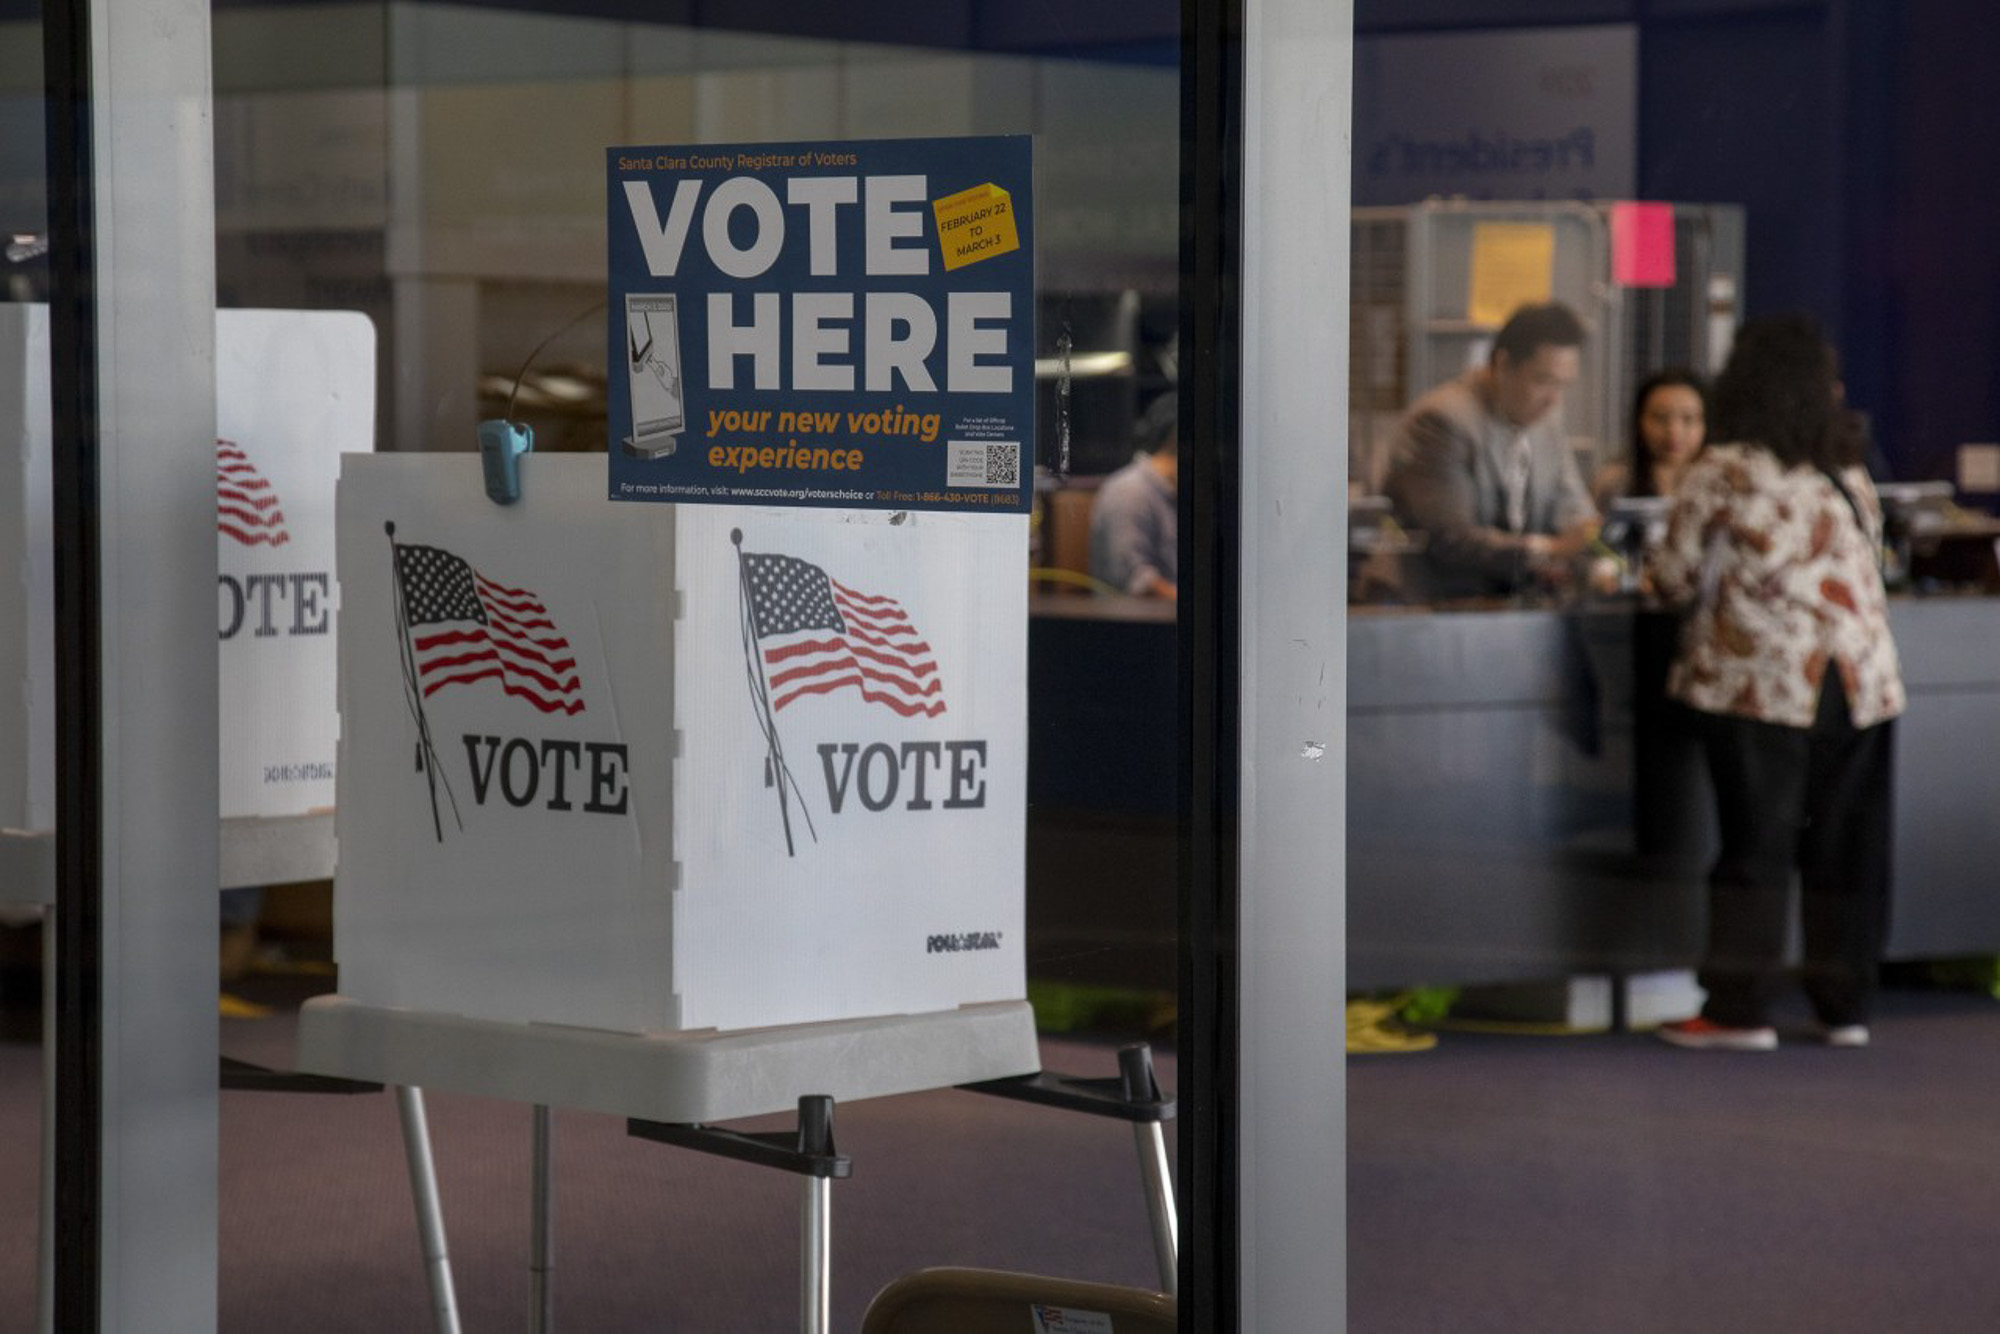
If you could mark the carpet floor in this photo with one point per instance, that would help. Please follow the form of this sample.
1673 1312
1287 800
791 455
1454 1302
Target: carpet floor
318 1234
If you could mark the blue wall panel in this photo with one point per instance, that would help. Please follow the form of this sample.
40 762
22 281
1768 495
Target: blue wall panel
1738 112
1942 257
1427 15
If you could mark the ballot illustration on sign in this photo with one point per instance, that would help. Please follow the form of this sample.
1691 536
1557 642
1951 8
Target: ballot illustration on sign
653 360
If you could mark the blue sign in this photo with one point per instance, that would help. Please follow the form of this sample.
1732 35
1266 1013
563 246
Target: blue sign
845 324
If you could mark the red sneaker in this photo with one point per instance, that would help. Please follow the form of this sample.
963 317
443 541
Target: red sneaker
1702 1035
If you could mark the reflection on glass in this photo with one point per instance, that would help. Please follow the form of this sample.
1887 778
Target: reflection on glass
1530 822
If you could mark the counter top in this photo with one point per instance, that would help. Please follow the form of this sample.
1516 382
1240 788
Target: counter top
1102 607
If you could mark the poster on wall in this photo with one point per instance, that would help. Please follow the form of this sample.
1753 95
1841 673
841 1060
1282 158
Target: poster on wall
828 324
642 767
1526 113
1513 265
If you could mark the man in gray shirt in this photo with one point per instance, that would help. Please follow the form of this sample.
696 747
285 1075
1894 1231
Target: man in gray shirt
1135 520
1480 465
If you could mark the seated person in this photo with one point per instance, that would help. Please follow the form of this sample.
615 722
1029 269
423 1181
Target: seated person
1669 424
1480 465
1134 523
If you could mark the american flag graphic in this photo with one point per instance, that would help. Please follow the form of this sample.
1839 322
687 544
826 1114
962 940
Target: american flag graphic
818 635
465 627
246 505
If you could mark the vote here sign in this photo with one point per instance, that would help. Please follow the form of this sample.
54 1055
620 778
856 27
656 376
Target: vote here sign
835 325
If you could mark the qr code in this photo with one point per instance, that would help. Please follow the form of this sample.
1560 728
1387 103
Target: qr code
981 463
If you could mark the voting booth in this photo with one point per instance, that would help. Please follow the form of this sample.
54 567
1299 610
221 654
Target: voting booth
294 391
671 767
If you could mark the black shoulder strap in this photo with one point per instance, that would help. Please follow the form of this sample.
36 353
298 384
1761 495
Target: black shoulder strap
1860 519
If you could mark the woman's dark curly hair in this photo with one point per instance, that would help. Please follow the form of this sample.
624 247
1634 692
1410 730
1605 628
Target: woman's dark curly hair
1781 391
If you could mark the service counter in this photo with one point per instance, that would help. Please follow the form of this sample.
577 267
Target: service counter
1522 802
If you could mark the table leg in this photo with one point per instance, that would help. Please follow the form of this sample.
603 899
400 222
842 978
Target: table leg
430 1217
1152 1144
542 1265
816 1258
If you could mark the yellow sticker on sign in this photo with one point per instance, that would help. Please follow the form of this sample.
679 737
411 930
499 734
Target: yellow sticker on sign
975 224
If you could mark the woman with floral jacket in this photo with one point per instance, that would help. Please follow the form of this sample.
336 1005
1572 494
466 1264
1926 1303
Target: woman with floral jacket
1773 544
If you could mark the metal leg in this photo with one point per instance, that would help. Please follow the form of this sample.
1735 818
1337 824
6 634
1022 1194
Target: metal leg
1152 1144
816 1258
542 1264
45 1266
430 1217
810 1152
1133 1096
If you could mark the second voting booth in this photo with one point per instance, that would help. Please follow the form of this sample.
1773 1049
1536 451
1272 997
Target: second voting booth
294 393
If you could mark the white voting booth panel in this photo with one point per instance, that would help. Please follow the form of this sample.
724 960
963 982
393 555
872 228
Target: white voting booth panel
645 767
294 391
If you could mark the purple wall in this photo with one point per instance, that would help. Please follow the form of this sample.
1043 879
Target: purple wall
1853 132
1944 256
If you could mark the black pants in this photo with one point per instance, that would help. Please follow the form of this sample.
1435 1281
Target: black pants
1815 801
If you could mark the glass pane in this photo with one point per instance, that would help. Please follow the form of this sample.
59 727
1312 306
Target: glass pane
441 170
1543 878
26 728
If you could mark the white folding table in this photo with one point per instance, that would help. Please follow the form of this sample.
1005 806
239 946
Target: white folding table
682 1079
